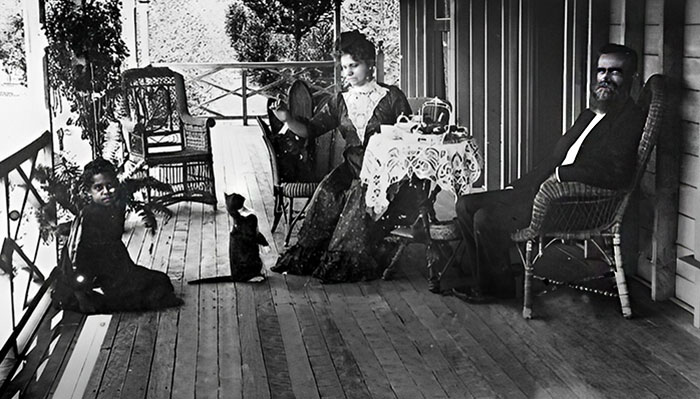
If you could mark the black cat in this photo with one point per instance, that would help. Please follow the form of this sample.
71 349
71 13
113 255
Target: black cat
243 245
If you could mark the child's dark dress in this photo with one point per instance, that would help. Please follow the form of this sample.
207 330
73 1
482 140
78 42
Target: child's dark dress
104 261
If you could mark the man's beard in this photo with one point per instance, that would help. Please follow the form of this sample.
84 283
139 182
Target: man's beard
606 95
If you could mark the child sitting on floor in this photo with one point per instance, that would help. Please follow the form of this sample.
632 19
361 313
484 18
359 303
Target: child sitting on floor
102 277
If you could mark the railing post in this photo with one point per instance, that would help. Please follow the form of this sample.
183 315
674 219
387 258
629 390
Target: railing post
380 62
244 95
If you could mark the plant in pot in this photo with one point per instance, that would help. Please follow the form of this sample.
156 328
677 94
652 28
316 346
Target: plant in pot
67 197
85 52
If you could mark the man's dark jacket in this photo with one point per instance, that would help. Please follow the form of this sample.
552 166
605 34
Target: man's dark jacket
607 158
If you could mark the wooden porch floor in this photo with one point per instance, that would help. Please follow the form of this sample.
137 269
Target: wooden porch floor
291 337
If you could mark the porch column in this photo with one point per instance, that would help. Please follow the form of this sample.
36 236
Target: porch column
129 32
35 44
668 149
143 55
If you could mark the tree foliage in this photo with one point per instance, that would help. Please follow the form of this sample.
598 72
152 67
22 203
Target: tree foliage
277 28
280 30
379 20
292 17
12 55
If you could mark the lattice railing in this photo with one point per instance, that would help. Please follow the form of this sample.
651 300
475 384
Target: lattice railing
27 260
210 86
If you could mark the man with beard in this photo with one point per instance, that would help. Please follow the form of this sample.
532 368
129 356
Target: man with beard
600 149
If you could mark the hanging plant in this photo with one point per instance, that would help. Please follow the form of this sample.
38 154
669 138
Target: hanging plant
86 52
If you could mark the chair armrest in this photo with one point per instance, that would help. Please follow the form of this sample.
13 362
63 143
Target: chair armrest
196 132
571 207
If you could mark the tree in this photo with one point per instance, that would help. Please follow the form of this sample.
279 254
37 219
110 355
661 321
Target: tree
292 17
276 30
12 55
266 26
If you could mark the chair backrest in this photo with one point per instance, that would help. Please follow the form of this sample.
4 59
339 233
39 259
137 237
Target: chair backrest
154 99
329 147
272 156
653 101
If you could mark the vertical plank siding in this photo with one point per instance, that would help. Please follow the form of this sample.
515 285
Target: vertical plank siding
670 46
488 42
494 81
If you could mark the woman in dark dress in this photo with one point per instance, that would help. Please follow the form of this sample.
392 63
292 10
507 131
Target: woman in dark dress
104 278
339 241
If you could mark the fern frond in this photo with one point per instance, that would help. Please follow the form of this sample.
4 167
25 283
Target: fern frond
133 185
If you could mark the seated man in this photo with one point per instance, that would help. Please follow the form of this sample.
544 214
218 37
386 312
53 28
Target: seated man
600 149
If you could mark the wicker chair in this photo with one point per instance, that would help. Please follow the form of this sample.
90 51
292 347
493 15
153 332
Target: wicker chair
575 211
175 145
319 156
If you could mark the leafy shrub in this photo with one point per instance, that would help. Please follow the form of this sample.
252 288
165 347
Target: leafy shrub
12 55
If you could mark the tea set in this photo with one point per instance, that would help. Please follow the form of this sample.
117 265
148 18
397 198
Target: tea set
430 124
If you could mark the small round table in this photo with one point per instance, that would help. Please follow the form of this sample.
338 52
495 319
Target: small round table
392 156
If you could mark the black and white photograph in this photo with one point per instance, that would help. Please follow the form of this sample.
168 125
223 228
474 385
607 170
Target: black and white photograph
348 199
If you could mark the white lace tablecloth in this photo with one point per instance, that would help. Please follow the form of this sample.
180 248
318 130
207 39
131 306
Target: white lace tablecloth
454 167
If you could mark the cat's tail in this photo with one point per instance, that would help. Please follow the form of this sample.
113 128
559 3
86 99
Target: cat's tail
218 279
228 279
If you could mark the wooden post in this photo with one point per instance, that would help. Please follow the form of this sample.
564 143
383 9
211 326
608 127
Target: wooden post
336 37
663 281
143 56
36 73
380 62
244 95
128 19
634 36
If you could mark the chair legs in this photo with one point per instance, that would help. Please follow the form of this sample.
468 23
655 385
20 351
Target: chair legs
278 212
620 279
527 281
391 269
290 223
293 219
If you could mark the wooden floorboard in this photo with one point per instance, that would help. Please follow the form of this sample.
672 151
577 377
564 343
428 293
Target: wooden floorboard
160 381
292 337
184 374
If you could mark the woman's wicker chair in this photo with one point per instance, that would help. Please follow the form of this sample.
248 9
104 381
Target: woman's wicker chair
575 211
175 145
284 191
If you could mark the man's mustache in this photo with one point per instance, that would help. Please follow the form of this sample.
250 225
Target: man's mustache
607 85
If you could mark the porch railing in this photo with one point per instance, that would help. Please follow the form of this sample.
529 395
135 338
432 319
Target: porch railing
221 82
27 260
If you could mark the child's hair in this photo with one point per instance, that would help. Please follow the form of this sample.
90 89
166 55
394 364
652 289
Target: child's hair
96 167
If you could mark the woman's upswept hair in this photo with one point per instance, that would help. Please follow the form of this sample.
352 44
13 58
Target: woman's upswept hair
96 167
358 47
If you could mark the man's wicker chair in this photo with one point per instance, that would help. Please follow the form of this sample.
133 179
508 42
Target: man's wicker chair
175 145
575 211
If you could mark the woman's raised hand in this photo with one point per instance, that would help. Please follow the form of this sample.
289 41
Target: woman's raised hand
280 109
